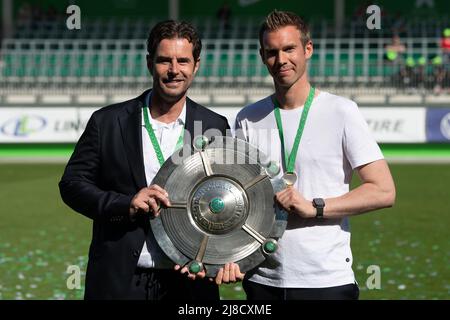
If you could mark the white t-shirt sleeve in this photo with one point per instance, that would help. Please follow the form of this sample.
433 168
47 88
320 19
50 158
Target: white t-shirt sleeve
360 146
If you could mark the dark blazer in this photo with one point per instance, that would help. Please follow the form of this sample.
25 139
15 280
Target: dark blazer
103 174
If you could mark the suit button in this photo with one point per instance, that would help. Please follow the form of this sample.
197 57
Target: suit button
136 253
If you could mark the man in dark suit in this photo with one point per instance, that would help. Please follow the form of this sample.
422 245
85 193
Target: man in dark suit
108 178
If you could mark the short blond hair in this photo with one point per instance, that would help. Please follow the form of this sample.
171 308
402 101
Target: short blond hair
279 19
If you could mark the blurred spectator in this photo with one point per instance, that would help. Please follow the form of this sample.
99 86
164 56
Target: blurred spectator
1 39
51 13
359 14
29 15
421 72
407 74
24 14
37 13
224 15
394 55
398 24
395 48
445 45
440 76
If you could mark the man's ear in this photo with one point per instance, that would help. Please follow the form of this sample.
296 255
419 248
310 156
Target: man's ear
196 66
261 54
149 64
309 50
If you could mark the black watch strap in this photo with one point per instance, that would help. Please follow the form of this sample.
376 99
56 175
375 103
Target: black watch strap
319 204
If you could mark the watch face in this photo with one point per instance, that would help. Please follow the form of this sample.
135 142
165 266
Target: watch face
318 202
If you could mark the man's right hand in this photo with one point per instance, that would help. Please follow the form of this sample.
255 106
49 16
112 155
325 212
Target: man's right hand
149 200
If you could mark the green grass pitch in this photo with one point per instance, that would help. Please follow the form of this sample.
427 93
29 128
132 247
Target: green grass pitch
40 237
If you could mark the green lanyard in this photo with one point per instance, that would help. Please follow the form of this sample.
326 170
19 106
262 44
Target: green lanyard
154 140
289 159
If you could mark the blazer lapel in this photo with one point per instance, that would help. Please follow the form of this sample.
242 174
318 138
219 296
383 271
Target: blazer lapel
130 125
191 116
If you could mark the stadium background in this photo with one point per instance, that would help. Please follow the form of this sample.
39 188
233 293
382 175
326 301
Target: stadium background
53 78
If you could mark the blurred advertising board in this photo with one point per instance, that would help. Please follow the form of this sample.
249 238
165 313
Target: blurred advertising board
438 124
66 124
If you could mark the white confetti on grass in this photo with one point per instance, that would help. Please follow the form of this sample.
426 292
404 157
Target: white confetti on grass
401 287
58 295
391 281
6 259
401 243
41 263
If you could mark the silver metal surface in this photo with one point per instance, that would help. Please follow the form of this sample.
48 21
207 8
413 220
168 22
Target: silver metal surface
222 209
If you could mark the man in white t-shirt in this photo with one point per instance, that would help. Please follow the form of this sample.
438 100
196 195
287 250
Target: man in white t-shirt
319 139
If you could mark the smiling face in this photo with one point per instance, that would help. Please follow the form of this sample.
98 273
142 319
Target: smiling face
285 56
173 68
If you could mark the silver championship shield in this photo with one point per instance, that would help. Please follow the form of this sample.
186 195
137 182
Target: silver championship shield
222 206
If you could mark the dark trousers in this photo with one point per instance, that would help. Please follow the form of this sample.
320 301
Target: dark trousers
256 291
170 285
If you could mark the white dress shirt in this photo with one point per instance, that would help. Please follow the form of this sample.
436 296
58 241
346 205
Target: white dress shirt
167 135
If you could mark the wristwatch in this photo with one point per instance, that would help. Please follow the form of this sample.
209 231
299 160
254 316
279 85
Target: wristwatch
319 204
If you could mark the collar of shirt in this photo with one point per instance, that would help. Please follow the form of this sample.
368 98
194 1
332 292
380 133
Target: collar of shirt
158 124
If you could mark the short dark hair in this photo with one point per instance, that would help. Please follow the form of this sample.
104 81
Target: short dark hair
279 19
171 29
